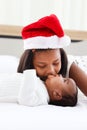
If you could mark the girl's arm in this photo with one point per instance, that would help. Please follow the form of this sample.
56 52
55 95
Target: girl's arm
79 76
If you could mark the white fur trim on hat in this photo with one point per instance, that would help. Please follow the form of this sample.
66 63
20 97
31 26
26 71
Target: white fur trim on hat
41 42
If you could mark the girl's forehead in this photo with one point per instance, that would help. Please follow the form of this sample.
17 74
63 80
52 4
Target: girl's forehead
47 54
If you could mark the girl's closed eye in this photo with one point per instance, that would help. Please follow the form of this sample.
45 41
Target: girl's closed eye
41 66
57 63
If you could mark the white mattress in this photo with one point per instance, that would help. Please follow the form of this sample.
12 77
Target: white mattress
18 117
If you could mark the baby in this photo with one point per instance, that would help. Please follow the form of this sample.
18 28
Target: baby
27 89
62 91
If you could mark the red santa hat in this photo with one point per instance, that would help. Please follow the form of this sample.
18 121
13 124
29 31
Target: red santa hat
46 33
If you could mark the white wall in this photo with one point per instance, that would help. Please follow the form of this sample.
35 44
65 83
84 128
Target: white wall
72 13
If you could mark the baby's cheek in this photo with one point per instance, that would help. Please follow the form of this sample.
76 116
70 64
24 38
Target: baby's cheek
50 82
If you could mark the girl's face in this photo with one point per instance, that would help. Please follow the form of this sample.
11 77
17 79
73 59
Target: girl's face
47 62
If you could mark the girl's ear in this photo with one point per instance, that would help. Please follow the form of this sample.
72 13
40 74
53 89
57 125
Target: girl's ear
57 94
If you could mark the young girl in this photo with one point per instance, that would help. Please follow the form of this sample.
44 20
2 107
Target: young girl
43 50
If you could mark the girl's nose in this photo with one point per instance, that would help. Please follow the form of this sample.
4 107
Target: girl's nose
51 71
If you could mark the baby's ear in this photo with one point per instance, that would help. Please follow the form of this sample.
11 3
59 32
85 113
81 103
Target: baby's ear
57 94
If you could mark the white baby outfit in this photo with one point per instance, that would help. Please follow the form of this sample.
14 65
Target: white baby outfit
33 91
25 88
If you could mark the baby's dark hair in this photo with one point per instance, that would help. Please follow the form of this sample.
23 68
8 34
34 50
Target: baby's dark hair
66 100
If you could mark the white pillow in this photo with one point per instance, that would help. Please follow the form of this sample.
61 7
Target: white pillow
8 64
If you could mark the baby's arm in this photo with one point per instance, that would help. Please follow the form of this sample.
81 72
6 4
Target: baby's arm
33 91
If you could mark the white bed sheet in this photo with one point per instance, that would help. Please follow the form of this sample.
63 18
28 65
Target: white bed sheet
47 117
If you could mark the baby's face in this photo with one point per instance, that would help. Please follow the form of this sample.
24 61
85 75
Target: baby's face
63 85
